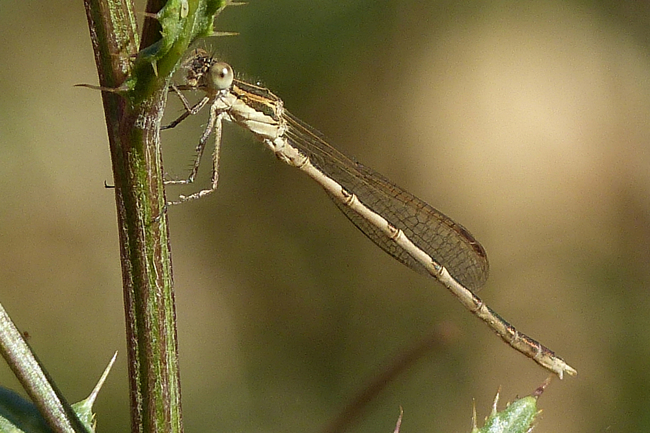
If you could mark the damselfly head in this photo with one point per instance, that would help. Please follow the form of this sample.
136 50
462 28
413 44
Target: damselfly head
197 65
204 71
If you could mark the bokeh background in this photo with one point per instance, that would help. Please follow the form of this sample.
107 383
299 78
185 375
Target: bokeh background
526 122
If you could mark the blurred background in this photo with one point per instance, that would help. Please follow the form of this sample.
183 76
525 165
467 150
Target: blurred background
525 122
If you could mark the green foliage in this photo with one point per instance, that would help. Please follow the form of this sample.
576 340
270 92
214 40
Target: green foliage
517 417
182 22
19 415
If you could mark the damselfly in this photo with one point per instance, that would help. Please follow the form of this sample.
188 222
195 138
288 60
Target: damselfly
404 226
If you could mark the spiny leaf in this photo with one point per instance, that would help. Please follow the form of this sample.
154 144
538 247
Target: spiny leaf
182 22
19 415
518 416
84 408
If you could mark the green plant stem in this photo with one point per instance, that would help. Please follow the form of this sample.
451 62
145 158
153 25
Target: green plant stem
39 385
138 79
133 128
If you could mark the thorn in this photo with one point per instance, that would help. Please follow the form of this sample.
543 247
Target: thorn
474 425
148 15
185 9
496 401
542 387
399 420
93 395
117 90
214 33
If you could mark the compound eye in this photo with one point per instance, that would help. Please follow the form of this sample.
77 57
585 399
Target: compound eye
221 75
